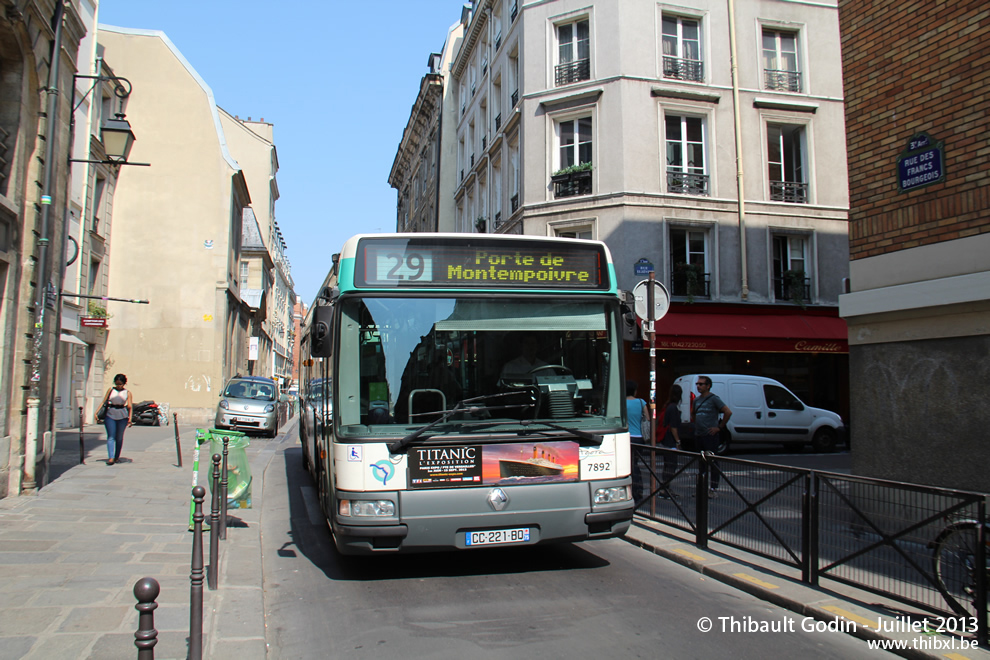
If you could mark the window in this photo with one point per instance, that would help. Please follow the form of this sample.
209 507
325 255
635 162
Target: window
245 269
573 53
573 176
689 263
790 271
583 231
785 160
780 61
682 49
94 276
686 169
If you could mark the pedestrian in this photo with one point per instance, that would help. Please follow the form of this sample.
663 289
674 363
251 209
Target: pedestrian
120 407
671 421
637 411
707 427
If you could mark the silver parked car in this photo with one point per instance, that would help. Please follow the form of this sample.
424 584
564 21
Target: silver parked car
249 404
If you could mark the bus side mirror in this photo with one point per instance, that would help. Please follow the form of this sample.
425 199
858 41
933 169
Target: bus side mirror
320 340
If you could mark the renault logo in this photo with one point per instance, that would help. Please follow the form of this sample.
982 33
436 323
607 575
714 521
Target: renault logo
498 499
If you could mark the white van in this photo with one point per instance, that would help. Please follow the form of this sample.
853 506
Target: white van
765 411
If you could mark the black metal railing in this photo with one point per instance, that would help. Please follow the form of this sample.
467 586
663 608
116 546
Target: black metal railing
682 69
514 11
514 202
572 72
498 41
498 121
782 81
684 183
691 283
472 160
498 219
515 98
911 543
484 142
794 192
795 290
568 185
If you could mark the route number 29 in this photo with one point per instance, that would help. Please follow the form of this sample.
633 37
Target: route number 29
411 266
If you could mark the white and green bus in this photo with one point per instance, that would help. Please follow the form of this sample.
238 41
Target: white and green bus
476 389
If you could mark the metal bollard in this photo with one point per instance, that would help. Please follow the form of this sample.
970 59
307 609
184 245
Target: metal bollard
223 492
82 447
178 445
146 590
211 576
196 579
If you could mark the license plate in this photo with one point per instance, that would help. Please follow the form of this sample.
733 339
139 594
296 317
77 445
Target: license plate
497 536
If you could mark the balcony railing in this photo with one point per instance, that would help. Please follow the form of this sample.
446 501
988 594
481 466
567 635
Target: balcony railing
498 41
797 290
690 282
681 69
514 203
572 72
793 192
498 219
472 160
484 142
498 121
683 183
513 11
783 81
515 98
569 185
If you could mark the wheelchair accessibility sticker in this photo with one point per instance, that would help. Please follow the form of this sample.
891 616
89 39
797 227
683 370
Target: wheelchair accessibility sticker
354 453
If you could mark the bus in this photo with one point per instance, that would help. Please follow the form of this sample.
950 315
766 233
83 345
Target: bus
471 393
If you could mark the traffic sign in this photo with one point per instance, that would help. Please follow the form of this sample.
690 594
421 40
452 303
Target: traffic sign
661 300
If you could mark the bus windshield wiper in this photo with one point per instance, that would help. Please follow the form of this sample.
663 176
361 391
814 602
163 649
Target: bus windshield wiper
591 438
399 445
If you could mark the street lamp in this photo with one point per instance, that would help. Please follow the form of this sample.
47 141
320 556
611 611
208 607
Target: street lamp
118 138
116 133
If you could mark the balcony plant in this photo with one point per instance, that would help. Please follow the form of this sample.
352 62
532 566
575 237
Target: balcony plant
573 169
694 276
97 311
481 223
794 280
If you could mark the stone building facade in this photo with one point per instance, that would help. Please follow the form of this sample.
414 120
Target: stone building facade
624 122
918 308
39 42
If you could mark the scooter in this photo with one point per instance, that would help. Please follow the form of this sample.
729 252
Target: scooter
146 412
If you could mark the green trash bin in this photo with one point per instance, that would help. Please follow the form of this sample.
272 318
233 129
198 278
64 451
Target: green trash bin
238 466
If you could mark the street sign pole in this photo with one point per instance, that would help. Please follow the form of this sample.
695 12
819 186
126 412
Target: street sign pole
651 313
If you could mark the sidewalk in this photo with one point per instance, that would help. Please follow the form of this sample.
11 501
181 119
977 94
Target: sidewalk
71 555
830 602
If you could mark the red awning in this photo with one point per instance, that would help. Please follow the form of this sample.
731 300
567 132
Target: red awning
768 333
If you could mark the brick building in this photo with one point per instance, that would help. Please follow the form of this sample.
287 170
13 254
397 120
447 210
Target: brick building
918 308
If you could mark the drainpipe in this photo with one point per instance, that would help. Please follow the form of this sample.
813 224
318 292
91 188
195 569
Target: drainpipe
740 189
40 366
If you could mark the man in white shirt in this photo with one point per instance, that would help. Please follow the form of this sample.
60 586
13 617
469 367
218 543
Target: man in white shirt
525 363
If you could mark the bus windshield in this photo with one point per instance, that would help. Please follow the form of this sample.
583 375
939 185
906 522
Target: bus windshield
404 362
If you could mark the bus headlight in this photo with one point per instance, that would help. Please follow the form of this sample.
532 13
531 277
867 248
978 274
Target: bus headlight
612 495
367 508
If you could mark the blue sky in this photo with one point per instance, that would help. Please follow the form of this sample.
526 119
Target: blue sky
337 79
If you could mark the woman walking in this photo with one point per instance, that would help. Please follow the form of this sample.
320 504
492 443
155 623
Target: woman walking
118 417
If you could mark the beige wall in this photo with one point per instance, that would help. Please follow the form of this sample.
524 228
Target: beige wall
176 234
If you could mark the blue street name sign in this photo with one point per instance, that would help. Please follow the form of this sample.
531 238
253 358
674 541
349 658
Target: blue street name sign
643 267
921 164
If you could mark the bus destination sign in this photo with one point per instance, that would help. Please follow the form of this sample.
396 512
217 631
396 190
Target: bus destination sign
482 264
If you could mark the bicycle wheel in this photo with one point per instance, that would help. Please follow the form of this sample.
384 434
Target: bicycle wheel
954 560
